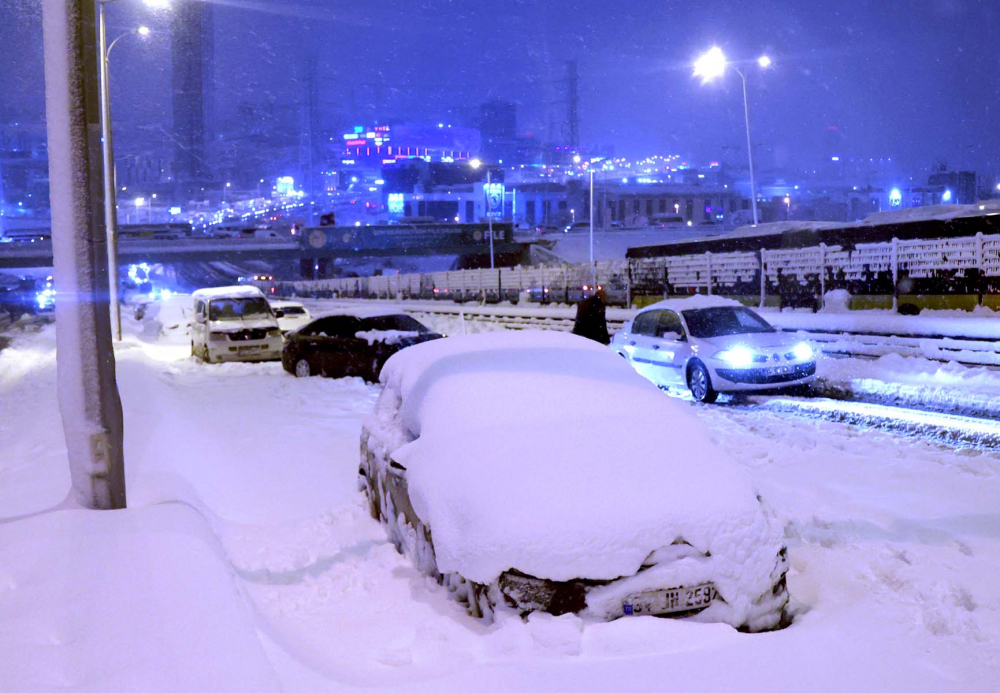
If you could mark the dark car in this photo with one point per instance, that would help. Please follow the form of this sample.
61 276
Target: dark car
350 344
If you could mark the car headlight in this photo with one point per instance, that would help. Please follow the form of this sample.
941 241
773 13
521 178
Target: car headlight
803 351
737 357
217 336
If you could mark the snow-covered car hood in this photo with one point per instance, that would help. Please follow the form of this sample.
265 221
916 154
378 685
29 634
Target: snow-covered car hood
760 340
573 466
237 324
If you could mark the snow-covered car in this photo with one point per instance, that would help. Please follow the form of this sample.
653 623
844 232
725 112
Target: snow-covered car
234 323
713 345
536 471
353 342
291 315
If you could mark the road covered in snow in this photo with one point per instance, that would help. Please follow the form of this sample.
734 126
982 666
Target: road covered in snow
247 561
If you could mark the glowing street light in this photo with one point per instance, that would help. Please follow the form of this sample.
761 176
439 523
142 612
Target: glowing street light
712 65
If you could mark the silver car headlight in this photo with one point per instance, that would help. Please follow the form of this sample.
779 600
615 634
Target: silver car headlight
736 357
803 352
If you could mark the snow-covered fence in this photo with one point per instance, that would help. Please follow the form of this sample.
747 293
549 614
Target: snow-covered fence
799 276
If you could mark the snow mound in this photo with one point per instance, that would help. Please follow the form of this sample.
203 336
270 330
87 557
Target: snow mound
837 301
168 319
573 466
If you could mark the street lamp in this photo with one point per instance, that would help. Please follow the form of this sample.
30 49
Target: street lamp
712 65
593 269
476 164
110 203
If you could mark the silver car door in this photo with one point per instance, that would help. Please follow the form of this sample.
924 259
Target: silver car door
670 348
641 342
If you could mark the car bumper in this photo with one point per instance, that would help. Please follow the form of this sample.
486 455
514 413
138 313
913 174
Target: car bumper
736 379
252 350
612 599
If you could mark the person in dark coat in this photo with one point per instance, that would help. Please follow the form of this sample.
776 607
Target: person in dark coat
591 319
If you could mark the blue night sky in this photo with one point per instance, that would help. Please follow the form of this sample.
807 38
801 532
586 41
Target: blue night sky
917 81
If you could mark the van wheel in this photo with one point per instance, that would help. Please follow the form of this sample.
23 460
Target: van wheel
700 384
302 368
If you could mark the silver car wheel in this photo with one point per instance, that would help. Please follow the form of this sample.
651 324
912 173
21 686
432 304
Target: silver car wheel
302 369
698 384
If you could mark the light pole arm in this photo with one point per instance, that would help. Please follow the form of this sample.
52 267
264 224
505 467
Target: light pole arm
107 54
746 116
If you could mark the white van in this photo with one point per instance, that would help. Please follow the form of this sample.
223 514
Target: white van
234 323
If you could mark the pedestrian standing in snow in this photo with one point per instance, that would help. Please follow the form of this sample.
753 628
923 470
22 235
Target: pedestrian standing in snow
591 319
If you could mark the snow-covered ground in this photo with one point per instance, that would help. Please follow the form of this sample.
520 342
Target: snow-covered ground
247 561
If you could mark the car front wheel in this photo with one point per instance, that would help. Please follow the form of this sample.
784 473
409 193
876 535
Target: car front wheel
700 384
302 369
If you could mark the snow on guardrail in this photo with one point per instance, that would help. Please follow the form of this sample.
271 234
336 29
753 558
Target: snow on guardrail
969 340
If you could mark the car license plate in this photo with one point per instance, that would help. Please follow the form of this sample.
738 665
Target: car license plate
248 349
782 370
674 600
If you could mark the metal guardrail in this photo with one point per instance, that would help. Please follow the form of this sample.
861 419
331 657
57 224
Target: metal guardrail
970 351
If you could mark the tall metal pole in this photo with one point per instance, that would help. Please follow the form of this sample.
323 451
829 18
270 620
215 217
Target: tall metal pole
489 214
593 268
110 202
89 403
746 116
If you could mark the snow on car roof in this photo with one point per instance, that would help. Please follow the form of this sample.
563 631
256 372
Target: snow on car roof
547 453
229 292
695 302
362 312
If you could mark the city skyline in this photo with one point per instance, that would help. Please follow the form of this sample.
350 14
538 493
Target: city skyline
863 68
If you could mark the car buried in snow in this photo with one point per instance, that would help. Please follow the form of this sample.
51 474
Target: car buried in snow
713 345
291 315
351 343
573 486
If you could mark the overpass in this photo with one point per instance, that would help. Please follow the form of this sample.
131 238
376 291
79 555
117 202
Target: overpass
315 244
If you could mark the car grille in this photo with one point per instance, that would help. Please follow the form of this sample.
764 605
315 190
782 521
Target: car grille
248 335
766 376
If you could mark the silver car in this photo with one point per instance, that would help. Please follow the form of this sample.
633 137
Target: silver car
713 345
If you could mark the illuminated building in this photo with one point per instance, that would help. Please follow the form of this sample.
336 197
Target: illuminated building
193 88
384 145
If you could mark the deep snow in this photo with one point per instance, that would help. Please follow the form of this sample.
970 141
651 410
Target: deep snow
247 560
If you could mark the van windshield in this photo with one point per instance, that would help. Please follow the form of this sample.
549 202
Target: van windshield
236 308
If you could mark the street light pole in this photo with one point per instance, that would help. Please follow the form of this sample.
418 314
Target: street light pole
746 117
110 203
489 215
593 269
712 65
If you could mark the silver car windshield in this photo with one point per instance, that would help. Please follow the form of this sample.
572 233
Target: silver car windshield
719 322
